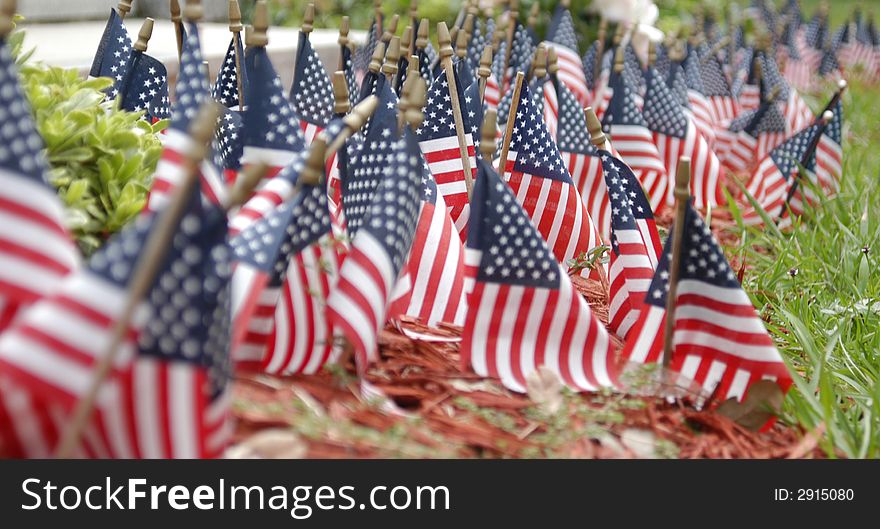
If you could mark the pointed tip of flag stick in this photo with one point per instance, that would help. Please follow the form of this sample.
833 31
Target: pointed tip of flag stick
552 61
308 19
603 30
406 42
202 128
414 9
257 36
444 39
618 59
377 58
361 113
473 8
488 133
469 21
423 34
540 62
774 93
194 11
514 8
417 97
341 100
7 15
377 7
245 184
144 35
618 34
413 66
594 126
390 29
174 7
344 28
565 3
313 170
485 69
124 8
392 57
533 15
234 16
461 44
682 178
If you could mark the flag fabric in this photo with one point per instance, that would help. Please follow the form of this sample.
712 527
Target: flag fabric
561 36
795 110
481 37
719 339
167 393
311 92
228 144
634 141
677 83
523 312
436 262
750 137
716 88
635 245
225 90
346 62
583 161
272 135
546 100
772 179
536 173
364 54
439 143
703 111
114 50
798 69
286 263
828 164
192 91
36 250
383 190
144 87
675 136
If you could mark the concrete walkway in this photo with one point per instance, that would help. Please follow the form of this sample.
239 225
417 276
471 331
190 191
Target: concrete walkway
73 44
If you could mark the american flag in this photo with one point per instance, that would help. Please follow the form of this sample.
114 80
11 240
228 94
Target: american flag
719 340
676 82
675 136
799 69
311 93
816 31
547 101
746 84
114 49
225 90
562 37
436 262
717 89
36 251
167 394
523 312
634 141
536 173
382 201
144 86
772 179
363 55
272 136
192 91
750 137
481 38
582 160
229 144
439 143
828 164
635 245
795 110
286 265
703 112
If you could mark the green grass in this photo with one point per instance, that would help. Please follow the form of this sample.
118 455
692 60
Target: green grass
819 285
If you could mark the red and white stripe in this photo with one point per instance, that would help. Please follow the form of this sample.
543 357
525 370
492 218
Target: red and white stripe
557 211
588 177
749 97
720 342
270 193
797 113
799 74
629 278
829 163
703 113
706 174
492 94
724 108
444 160
511 331
309 130
36 251
635 144
769 188
736 150
551 108
436 268
571 72
357 305
171 170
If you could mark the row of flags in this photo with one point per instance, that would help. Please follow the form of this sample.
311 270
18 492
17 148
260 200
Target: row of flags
402 217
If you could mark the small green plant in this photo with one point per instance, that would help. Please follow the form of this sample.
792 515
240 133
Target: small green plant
589 260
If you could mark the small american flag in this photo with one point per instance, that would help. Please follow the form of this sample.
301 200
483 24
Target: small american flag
750 136
286 265
716 87
547 101
382 197
772 179
703 112
589 66
828 164
635 245
36 251
272 136
229 143
167 394
114 49
225 89
311 92
799 68
536 173
144 87
675 136
523 312
720 341
795 110
562 37
192 91
634 141
439 143
363 55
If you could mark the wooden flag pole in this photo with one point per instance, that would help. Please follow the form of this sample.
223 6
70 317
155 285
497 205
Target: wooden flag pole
341 99
257 36
377 10
392 59
682 194
594 126
539 64
461 41
390 30
406 44
7 17
513 15
235 27
140 46
511 120
822 123
144 274
177 22
413 109
533 16
485 70
600 49
488 132
123 8
245 184
446 63
353 122
378 57
343 40
313 170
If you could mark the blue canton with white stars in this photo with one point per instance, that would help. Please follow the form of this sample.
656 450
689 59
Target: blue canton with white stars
790 153
625 196
692 74
513 252
561 30
662 112
311 93
572 134
622 109
536 151
225 89
145 87
114 50
228 140
439 121
192 83
269 120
